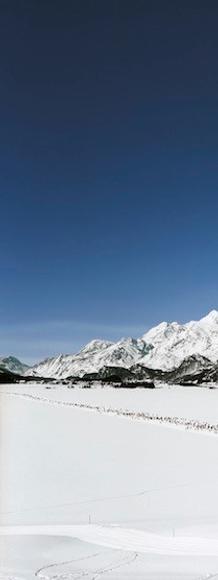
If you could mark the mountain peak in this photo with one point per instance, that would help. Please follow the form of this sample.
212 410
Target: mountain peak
164 347
96 345
211 317
12 364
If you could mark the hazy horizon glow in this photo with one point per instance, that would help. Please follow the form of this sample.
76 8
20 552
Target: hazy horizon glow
34 342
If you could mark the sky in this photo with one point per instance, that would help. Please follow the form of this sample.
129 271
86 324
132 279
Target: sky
108 169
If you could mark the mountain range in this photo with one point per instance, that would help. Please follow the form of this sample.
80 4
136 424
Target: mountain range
170 349
163 347
13 365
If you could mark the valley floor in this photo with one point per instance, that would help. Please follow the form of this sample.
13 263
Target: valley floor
91 494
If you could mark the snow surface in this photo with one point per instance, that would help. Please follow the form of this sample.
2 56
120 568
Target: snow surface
87 494
163 347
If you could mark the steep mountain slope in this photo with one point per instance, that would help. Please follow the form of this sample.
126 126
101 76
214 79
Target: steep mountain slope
174 342
165 347
191 365
13 365
92 357
138 375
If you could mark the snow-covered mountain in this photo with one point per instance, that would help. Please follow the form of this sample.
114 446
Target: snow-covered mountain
190 366
94 356
163 347
173 342
12 364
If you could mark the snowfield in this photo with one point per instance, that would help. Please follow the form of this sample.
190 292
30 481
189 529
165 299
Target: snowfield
101 494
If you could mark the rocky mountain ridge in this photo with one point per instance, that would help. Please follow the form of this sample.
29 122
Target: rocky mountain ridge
164 347
168 352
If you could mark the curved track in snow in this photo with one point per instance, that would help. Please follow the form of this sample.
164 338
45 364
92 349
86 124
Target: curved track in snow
74 574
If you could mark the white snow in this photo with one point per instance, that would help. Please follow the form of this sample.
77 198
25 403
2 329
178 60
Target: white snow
122 538
194 403
165 346
92 357
173 341
101 496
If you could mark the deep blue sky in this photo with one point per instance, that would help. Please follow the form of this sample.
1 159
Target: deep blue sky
109 169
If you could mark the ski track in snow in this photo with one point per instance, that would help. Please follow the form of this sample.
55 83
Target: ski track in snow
125 562
174 421
77 574
39 572
134 542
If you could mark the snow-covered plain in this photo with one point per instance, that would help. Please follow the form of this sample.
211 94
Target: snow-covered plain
87 494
